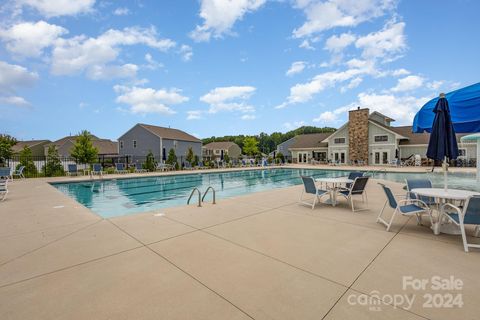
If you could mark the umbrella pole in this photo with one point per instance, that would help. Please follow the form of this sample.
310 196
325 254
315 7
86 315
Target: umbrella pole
445 178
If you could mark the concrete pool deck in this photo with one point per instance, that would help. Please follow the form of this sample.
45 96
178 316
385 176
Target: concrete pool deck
258 256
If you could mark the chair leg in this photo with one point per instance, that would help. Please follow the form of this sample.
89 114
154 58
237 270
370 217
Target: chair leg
351 202
314 202
391 220
464 236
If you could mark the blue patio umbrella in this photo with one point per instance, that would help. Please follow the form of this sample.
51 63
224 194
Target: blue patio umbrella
463 107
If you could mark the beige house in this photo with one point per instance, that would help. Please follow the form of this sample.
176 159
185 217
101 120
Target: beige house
308 147
36 146
217 150
369 138
106 147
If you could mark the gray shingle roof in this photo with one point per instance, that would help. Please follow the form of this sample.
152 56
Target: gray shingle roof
169 133
312 140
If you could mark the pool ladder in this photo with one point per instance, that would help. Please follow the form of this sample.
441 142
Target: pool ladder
200 197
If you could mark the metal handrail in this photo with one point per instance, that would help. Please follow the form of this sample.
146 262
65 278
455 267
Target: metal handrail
199 196
206 191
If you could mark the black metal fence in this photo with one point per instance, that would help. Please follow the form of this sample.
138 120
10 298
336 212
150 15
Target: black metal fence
36 166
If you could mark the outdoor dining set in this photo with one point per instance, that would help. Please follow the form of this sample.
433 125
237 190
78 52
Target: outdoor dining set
447 210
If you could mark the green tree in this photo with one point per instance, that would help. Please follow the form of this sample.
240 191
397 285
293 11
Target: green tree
172 158
190 156
54 165
83 150
226 158
250 146
26 160
150 163
6 144
196 159
280 157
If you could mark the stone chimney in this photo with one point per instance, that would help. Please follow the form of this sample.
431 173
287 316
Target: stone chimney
358 134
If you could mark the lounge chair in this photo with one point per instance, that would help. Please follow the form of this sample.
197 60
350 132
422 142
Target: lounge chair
120 168
470 214
72 170
244 163
19 173
3 189
406 207
200 165
311 188
252 163
357 189
352 176
139 168
97 169
187 166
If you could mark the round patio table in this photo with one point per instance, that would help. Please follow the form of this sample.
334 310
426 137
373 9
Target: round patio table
444 196
335 186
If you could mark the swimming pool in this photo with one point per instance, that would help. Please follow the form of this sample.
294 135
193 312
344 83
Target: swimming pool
116 197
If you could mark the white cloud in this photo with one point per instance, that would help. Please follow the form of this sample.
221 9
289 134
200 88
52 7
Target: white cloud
80 53
186 52
355 82
29 39
14 101
435 85
13 77
152 64
148 100
408 83
387 43
121 11
323 15
55 8
338 43
220 15
194 114
400 72
305 44
102 72
332 116
248 117
296 67
293 125
229 99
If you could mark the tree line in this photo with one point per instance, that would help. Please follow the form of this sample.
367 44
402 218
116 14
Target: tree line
266 143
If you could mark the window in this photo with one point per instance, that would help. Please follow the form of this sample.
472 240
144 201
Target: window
462 152
121 144
382 138
339 140
134 143
175 144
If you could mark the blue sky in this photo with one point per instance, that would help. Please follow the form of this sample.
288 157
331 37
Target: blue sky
215 67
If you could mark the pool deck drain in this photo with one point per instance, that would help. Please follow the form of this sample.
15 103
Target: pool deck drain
258 256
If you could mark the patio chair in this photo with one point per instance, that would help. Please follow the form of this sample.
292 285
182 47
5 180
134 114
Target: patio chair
97 169
187 166
6 173
72 170
244 163
420 183
3 189
19 173
405 207
470 214
120 168
200 165
311 188
139 168
352 176
356 189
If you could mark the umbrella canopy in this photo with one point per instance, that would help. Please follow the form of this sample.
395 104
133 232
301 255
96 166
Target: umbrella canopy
465 111
443 141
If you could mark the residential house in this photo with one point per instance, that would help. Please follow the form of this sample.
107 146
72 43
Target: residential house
284 148
369 138
106 147
308 147
217 150
36 146
141 139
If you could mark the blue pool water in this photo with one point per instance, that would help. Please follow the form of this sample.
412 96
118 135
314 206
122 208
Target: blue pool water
116 197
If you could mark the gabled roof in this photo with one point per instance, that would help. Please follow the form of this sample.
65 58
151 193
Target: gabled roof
27 143
382 115
389 129
104 146
416 138
169 133
312 140
220 145
62 141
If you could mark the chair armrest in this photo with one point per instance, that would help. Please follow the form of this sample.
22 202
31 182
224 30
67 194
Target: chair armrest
423 204
449 205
